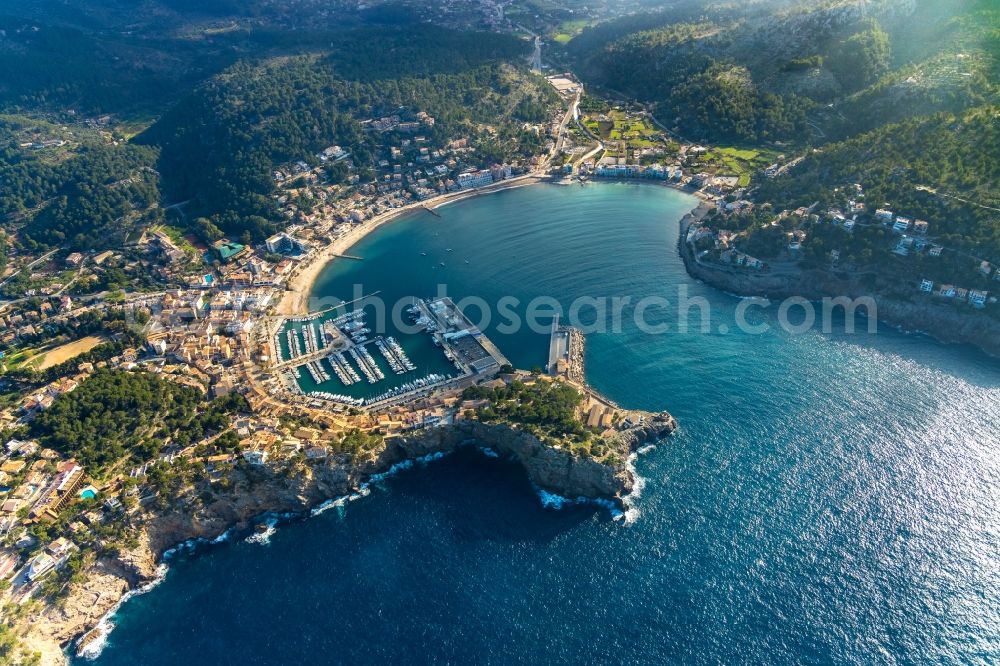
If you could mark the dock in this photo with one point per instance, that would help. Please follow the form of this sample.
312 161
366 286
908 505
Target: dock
566 352
558 349
465 344
349 256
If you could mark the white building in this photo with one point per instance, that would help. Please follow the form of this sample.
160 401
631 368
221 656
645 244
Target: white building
883 215
473 179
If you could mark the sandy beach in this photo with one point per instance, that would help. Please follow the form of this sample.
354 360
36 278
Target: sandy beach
295 300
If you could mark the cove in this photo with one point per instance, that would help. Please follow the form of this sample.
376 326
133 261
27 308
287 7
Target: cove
829 498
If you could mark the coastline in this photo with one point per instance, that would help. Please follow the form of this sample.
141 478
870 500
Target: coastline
295 300
939 321
80 626
86 616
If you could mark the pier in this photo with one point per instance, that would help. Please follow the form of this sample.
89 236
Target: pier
464 344
337 350
558 349
566 348
349 256
431 211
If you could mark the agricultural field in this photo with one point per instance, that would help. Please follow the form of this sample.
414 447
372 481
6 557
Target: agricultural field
629 135
45 357
567 30
742 162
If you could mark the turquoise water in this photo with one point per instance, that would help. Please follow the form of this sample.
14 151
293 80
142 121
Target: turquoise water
420 349
88 493
829 498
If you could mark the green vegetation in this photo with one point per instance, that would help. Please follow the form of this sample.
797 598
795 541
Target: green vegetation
56 67
901 101
122 325
92 192
954 155
754 74
546 409
863 58
117 417
724 103
713 98
90 200
803 64
11 650
359 443
256 116
567 30
741 162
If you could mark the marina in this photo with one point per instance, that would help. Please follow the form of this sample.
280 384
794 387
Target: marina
840 431
344 363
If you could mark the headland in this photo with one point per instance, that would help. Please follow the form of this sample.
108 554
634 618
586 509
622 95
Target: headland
581 450
894 306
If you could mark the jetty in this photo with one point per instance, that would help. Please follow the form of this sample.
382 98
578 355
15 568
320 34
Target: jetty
566 350
431 211
558 348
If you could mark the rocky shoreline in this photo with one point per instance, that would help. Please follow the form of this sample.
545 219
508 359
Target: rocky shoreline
78 621
940 321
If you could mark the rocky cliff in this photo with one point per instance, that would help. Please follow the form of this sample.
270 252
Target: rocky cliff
942 321
551 469
296 489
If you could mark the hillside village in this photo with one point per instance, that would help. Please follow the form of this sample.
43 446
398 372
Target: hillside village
203 311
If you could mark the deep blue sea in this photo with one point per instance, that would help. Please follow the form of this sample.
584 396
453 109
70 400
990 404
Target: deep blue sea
830 498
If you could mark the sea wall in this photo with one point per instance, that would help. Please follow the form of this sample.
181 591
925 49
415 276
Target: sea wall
941 321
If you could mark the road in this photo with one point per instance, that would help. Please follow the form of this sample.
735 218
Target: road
535 59
930 190
536 56
599 148
570 115
29 266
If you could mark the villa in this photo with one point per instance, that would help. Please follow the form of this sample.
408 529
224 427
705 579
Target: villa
903 247
902 225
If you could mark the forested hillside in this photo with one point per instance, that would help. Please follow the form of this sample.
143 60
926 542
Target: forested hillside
55 68
802 72
89 198
129 416
231 103
222 142
919 166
